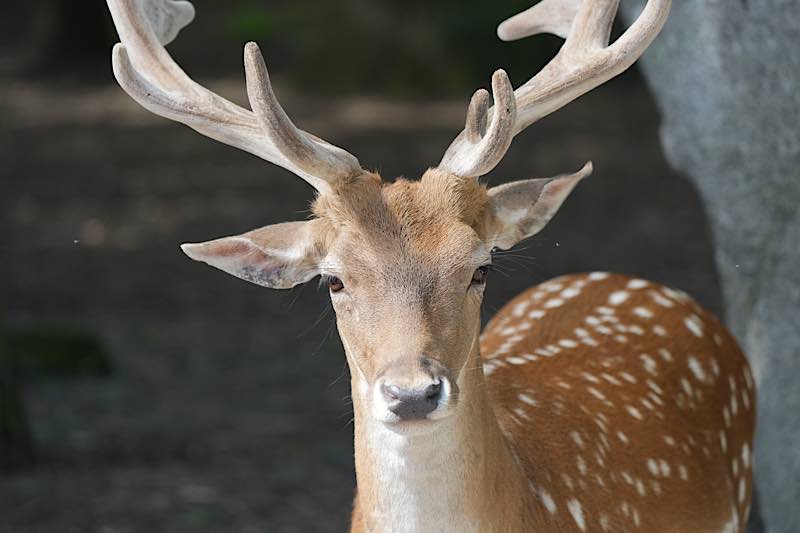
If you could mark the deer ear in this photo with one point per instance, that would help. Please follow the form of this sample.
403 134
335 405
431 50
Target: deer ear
277 257
521 209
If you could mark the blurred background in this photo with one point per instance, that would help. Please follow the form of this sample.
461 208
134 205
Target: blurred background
140 391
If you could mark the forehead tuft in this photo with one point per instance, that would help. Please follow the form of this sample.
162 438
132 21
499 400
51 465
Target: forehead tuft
437 200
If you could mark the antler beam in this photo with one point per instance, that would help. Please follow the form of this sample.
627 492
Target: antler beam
585 61
147 72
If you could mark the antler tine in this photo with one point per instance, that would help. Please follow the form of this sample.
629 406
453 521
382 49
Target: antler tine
480 148
314 157
548 16
147 72
584 62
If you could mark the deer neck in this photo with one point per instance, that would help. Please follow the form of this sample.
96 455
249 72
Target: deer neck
459 476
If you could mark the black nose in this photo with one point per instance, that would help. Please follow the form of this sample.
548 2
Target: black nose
412 404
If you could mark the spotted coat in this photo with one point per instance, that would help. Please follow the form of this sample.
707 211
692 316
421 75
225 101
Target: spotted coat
627 404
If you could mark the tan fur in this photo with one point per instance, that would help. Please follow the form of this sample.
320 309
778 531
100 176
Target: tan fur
591 403
533 447
510 464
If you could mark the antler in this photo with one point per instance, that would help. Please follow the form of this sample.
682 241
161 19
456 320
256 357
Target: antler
585 61
150 76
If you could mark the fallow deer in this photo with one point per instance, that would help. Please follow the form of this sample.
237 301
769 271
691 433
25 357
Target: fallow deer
592 402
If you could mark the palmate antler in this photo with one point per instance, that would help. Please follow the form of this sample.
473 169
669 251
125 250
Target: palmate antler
150 76
585 61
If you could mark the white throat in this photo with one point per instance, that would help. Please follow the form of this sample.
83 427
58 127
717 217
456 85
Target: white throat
419 480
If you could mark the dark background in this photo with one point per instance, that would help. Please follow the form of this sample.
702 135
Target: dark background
140 391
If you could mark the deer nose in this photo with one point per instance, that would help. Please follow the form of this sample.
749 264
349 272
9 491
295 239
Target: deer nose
412 404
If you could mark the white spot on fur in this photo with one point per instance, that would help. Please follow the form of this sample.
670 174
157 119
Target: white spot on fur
660 300
581 464
520 308
598 276
649 364
697 369
636 330
695 325
617 298
687 387
596 393
655 387
576 511
547 501
589 341
636 284
553 303
603 330
570 292
526 398
660 331
590 377
634 412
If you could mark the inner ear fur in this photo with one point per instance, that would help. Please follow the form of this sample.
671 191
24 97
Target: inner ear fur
278 256
521 209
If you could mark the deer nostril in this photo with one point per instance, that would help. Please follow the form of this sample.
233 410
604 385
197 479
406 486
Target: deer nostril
391 392
433 391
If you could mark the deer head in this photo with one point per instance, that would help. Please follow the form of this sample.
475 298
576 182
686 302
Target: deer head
405 262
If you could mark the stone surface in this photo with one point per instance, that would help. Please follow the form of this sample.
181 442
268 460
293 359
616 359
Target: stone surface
726 76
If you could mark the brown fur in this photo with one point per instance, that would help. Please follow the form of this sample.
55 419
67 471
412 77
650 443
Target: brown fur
521 466
683 431
591 403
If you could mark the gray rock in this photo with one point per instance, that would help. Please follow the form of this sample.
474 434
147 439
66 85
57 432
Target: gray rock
726 75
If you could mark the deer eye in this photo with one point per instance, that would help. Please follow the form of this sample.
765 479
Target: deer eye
334 284
479 276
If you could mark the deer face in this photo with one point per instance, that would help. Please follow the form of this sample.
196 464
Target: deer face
406 270
405 264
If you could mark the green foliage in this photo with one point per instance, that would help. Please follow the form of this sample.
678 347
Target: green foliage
249 21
